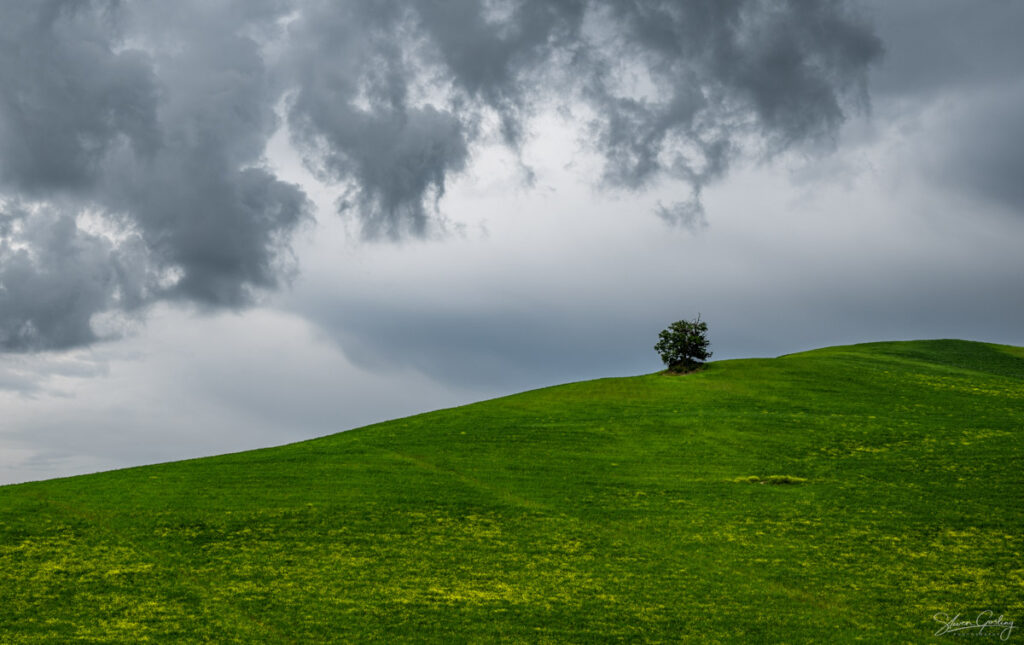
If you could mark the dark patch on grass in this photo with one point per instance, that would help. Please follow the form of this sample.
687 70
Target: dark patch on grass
999 360
684 370
771 479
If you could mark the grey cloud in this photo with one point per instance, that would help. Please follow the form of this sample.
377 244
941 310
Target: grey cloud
964 57
937 45
203 202
688 214
394 159
721 72
32 375
484 346
981 152
13 382
53 279
725 72
66 97
151 119
494 56
352 115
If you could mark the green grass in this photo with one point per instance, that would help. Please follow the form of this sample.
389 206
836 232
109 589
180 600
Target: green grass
622 509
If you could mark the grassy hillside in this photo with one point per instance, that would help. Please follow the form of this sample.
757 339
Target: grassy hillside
625 509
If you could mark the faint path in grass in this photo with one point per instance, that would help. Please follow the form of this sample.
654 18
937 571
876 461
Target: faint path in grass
468 480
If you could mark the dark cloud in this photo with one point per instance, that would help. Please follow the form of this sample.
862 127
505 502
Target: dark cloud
934 46
54 278
687 214
483 345
980 151
722 74
133 133
66 96
675 88
150 122
958 65
209 211
353 116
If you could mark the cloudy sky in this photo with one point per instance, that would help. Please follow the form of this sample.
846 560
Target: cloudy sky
234 224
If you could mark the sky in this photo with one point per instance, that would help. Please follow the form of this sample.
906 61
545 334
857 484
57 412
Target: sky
233 224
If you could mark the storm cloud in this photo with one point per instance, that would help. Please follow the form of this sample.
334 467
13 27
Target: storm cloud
132 171
391 94
132 134
964 57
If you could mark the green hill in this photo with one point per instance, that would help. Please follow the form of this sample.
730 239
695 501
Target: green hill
840 494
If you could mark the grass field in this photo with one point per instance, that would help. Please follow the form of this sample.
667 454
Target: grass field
843 494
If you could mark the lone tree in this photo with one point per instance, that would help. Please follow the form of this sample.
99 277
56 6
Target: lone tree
684 345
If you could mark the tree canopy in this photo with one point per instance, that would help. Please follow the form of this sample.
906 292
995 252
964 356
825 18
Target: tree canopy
683 346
